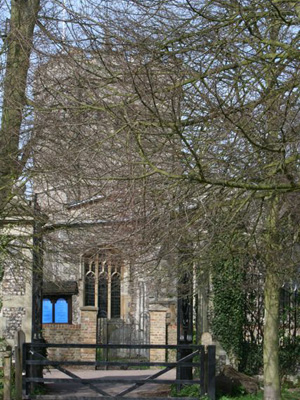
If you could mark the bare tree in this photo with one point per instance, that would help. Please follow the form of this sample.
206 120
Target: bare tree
239 71
19 43
201 97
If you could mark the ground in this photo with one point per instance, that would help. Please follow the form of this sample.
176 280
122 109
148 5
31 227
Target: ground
80 391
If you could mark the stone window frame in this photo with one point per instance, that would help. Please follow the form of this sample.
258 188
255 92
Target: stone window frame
105 265
53 299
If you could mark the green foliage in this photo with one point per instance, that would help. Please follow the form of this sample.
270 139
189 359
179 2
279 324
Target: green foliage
186 391
230 318
193 391
289 356
39 389
258 396
290 395
229 306
251 362
1 379
13 388
285 395
4 242
235 392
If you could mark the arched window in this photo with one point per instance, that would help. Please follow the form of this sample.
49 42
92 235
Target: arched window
61 311
89 289
102 274
102 295
47 311
115 295
57 310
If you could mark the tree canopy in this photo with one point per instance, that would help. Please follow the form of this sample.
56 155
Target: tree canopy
204 97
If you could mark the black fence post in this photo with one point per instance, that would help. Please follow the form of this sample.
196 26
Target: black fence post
19 355
26 369
211 372
24 353
202 371
106 342
178 371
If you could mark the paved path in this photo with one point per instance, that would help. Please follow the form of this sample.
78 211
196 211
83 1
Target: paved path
83 391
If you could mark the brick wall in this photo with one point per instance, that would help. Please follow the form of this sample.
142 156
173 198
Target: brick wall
62 333
88 332
81 333
157 334
172 339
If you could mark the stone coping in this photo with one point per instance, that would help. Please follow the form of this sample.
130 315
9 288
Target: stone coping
89 308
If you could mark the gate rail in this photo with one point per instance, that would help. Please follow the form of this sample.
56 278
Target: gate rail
34 361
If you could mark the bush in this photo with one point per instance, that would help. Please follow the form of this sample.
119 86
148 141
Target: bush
186 391
228 306
289 356
252 359
1 379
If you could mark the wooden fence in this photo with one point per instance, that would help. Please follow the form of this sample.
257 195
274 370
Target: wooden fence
30 360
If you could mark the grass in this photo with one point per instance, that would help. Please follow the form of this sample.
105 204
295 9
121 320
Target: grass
193 391
258 396
286 395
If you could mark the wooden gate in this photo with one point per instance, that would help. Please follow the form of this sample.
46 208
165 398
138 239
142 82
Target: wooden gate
200 361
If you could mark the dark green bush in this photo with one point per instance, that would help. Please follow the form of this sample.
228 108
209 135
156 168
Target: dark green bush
251 362
229 306
289 356
186 391
1 378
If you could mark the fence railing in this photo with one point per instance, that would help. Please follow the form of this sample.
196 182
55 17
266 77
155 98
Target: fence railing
200 360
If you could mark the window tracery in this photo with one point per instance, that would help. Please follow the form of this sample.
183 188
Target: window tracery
102 283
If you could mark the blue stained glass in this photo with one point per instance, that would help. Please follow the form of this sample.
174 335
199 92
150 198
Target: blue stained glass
47 317
61 311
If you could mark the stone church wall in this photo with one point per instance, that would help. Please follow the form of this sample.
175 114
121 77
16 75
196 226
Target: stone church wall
15 288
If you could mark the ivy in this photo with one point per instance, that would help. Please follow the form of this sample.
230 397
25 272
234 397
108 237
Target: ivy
229 307
229 321
4 242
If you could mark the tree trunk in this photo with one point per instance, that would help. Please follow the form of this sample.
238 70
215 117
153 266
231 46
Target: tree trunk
19 46
271 340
